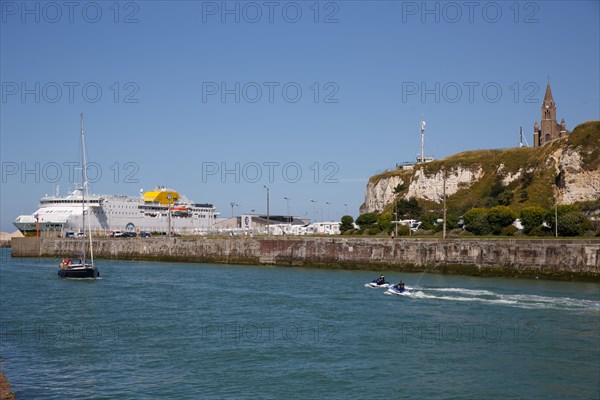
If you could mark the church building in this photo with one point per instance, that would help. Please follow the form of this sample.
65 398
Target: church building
550 129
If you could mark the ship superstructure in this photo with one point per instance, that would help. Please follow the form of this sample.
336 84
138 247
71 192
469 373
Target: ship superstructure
162 210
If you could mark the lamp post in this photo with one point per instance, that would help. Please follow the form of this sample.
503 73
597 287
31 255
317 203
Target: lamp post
328 215
445 209
37 225
314 210
346 208
287 199
266 187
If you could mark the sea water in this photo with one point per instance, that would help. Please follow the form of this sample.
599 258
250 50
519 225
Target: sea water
193 331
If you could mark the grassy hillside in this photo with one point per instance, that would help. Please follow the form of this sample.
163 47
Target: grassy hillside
536 183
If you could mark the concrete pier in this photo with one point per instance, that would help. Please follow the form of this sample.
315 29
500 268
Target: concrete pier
551 259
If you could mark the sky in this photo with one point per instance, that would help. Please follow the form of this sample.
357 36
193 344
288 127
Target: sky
220 99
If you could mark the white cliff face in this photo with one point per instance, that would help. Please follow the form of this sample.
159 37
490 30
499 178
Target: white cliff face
379 194
431 187
577 184
508 177
422 186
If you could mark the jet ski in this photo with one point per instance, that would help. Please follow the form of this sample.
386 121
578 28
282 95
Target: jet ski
376 283
395 289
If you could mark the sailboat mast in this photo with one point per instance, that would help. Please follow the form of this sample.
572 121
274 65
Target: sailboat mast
85 192
83 189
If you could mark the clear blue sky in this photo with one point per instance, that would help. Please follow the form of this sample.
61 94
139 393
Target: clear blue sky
367 72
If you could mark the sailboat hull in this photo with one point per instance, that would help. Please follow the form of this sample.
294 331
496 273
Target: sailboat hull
87 272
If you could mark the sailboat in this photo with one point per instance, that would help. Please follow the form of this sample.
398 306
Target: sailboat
84 268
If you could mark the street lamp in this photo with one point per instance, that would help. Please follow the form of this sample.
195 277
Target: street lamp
232 204
346 208
328 215
266 187
314 210
287 199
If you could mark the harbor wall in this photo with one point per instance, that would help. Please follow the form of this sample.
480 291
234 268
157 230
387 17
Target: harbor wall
543 258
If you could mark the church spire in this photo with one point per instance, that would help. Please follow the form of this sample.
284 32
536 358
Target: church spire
548 96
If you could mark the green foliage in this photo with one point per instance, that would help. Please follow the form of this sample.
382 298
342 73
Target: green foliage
407 209
523 196
429 220
509 230
452 221
506 197
347 223
473 214
476 221
558 210
573 223
399 187
532 217
541 231
480 226
500 217
403 230
367 220
384 222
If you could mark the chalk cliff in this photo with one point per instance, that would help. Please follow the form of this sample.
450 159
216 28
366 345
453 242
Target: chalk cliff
568 169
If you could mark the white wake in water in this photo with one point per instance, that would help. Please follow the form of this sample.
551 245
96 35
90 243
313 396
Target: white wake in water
516 300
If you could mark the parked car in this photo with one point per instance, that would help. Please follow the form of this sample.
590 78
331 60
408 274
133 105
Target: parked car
70 234
129 234
145 234
117 234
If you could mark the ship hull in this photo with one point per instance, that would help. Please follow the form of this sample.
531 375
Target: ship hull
75 272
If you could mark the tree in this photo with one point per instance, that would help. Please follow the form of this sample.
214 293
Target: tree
367 220
452 221
480 226
385 222
476 221
472 214
500 217
573 223
532 217
347 223
559 210
408 209
429 220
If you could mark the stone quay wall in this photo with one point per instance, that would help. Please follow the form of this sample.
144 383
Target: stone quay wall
539 258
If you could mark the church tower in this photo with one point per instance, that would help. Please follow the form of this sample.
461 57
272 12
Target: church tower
549 129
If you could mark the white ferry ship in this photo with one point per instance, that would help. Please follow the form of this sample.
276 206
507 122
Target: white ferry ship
161 211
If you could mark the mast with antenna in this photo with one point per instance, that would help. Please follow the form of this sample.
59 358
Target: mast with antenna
422 126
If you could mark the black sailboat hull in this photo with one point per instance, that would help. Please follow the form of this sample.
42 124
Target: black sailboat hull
79 273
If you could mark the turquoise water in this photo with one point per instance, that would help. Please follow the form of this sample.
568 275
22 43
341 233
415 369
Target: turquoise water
191 331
